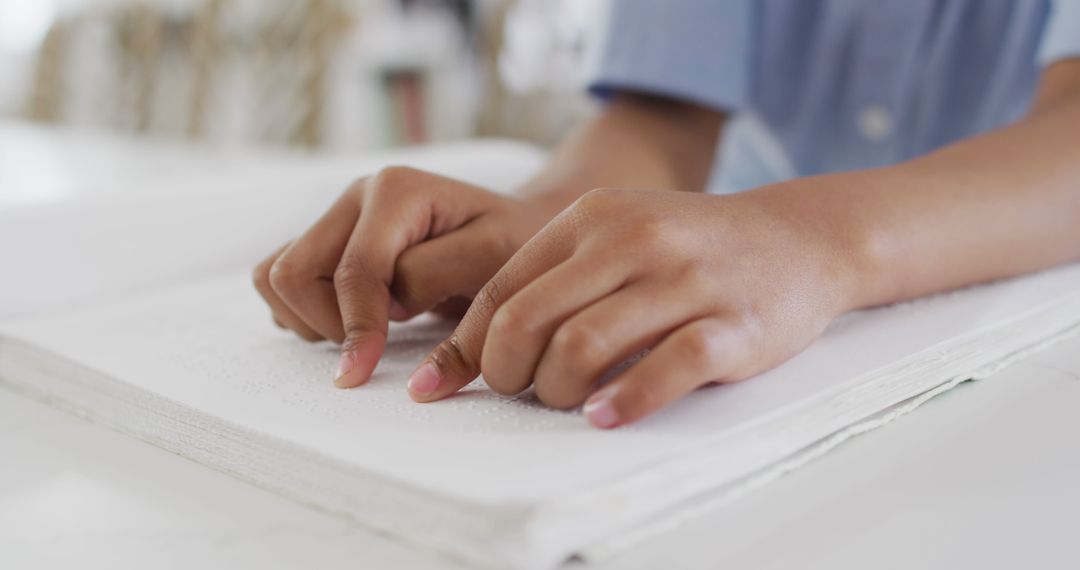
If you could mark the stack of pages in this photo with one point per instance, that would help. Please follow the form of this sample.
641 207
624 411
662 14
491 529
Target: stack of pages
197 368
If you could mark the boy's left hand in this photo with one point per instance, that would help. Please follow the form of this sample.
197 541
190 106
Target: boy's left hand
720 287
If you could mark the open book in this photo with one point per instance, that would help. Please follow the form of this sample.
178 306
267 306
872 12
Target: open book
196 367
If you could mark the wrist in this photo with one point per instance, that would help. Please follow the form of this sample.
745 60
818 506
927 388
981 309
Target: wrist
863 207
542 207
539 208
834 213
519 218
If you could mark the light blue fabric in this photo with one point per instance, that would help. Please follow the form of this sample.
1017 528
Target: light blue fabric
1062 38
834 85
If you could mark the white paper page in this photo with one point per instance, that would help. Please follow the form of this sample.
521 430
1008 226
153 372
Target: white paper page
211 346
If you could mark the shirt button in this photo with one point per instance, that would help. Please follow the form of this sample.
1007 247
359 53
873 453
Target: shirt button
875 123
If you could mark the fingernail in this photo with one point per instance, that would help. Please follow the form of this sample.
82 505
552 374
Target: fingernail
600 411
347 364
425 380
358 361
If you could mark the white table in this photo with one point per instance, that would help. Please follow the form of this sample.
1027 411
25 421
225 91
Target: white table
984 476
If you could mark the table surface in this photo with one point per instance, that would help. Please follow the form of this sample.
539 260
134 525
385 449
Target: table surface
984 475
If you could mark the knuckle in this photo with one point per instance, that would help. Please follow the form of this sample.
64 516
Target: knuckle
260 276
502 385
355 331
283 275
309 336
513 321
450 355
347 274
694 276
577 348
597 200
651 233
749 323
702 347
489 297
392 178
557 397
357 186
653 228
746 337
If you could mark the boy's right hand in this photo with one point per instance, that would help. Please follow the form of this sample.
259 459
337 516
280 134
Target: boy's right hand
394 245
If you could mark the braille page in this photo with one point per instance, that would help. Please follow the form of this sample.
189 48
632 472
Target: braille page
211 346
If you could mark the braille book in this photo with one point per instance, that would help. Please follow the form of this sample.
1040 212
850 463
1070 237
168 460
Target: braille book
196 367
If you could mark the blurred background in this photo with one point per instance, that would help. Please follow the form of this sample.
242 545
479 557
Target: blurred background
315 74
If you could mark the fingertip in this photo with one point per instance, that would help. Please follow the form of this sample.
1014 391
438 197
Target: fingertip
433 380
424 382
442 373
600 410
350 379
358 362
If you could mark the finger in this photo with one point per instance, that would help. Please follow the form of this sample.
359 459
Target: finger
710 349
605 334
453 265
456 361
522 327
401 208
392 217
283 316
301 275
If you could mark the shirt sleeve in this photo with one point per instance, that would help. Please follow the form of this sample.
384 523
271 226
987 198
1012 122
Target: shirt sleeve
1062 36
693 50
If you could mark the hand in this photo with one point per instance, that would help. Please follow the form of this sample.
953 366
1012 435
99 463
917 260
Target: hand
720 287
393 246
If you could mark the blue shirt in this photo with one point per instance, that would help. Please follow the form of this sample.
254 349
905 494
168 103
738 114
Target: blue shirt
827 85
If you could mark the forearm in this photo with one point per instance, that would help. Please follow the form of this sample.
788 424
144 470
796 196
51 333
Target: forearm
635 142
993 206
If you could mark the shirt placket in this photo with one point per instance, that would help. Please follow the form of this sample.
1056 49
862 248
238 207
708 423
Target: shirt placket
877 93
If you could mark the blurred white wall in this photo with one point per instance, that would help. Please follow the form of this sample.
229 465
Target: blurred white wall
23 25
329 74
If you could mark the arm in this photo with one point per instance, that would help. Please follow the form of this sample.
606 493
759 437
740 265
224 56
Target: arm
403 241
996 205
724 287
637 141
